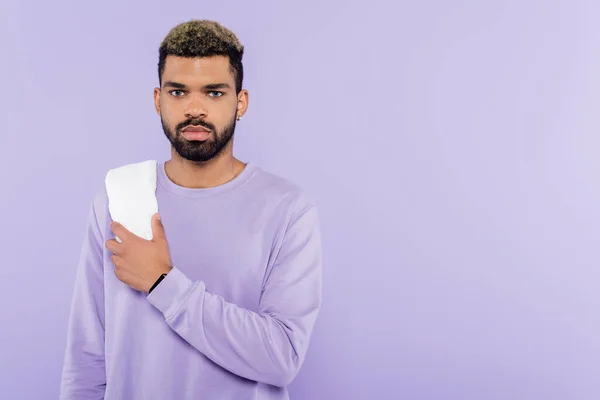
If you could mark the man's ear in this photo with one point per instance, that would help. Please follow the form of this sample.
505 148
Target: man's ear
157 100
242 104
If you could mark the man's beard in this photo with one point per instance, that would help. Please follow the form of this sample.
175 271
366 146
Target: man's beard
199 151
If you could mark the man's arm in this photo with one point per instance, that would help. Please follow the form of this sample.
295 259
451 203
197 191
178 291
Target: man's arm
83 375
267 346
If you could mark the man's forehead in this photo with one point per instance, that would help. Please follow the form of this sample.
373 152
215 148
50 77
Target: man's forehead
201 69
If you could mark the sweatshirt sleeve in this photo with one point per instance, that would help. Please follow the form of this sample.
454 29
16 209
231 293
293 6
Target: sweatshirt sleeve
269 345
83 374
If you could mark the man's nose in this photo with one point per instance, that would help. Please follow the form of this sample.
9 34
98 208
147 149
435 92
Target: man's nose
195 107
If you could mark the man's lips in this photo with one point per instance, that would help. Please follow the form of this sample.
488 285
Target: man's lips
191 132
193 128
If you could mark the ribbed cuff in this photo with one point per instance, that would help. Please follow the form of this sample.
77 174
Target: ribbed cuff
170 294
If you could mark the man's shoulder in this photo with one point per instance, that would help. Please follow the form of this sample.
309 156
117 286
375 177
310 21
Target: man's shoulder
274 187
130 171
122 175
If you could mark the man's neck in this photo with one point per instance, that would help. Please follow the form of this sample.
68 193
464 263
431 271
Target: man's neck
204 175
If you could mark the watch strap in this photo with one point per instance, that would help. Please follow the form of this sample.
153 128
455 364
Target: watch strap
159 280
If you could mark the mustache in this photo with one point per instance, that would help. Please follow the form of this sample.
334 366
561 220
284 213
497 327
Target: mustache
195 122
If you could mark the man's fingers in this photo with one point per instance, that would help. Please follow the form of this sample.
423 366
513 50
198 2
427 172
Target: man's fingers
158 230
123 274
113 246
120 231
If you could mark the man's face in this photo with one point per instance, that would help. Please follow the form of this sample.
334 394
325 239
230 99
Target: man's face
198 106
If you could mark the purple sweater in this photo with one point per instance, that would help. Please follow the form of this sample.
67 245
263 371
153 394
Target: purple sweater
232 320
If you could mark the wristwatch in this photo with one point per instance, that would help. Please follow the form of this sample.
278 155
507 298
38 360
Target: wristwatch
159 280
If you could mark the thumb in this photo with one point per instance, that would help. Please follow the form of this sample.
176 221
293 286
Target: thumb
158 230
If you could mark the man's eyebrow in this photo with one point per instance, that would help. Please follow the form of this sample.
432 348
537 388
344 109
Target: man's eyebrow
214 86
210 86
174 85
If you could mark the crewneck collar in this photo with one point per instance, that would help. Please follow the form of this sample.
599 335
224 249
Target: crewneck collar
167 184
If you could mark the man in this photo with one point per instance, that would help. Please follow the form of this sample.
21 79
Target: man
240 247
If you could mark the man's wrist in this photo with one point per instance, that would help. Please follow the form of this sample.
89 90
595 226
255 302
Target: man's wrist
159 280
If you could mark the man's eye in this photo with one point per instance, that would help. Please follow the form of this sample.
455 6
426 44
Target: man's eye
177 93
215 94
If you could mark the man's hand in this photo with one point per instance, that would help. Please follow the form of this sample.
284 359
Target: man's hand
139 262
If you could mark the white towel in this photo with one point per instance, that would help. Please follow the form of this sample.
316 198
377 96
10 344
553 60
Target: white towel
132 202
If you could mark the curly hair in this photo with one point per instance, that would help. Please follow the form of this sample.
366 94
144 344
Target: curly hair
203 38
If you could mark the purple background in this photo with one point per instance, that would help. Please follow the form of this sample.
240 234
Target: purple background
452 147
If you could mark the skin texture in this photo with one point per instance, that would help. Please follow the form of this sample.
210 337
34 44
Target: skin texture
194 91
195 101
140 262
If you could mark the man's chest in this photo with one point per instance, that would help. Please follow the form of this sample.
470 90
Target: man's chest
230 256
